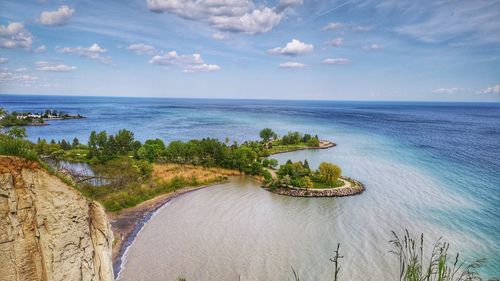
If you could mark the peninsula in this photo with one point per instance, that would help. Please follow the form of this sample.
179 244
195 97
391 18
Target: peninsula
9 119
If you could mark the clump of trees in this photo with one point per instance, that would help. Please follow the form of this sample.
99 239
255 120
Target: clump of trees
299 174
268 136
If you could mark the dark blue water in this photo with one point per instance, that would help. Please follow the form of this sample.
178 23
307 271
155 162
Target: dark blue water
455 145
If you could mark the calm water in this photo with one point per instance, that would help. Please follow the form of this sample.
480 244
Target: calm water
429 167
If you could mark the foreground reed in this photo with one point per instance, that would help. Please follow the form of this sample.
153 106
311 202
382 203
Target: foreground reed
415 266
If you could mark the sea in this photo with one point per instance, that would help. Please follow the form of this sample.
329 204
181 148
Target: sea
428 167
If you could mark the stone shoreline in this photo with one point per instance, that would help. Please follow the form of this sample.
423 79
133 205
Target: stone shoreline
358 188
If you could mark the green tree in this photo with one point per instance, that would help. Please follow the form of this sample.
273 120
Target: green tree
124 140
65 145
267 134
329 173
307 182
17 133
151 150
75 143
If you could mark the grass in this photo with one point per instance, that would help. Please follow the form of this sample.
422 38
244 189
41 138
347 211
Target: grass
164 173
165 178
321 185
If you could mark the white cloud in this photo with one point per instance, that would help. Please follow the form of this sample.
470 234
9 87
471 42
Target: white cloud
11 77
41 49
189 63
53 66
334 25
173 58
142 49
292 64
14 35
21 69
4 60
336 42
283 4
201 68
491 90
339 25
337 61
292 48
220 36
94 52
373 47
225 15
58 17
449 91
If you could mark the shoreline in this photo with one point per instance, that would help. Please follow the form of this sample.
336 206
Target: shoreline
323 145
126 224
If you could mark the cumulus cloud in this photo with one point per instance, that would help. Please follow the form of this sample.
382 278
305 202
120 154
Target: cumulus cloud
221 36
292 48
373 47
53 66
189 63
142 49
4 60
15 35
57 17
41 49
201 68
337 61
491 90
94 52
336 42
225 15
292 64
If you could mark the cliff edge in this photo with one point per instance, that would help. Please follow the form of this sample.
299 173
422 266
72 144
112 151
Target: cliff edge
48 230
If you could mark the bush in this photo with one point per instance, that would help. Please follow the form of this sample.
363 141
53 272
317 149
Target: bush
17 147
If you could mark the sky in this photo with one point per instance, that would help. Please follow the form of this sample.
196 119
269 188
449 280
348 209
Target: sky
275 49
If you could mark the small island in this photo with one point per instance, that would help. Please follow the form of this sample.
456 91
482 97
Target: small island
10 119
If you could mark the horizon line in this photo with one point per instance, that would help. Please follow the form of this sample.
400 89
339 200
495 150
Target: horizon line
252 99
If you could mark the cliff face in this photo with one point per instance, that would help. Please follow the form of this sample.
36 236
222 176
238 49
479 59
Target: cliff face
48 230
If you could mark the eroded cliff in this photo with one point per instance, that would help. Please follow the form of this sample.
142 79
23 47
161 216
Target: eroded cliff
48 230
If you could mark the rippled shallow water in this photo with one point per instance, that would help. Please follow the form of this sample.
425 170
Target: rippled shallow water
430 167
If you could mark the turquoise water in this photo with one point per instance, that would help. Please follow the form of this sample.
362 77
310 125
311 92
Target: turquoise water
430 167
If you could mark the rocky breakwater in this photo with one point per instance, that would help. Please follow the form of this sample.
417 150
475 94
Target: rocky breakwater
48 230
352 187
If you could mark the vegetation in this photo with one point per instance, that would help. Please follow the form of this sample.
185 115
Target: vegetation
12 143
130 168
298 174
292 141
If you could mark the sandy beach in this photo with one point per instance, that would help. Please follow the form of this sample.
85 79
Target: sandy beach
128 222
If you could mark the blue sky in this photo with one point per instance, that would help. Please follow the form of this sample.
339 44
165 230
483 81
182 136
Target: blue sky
283 49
